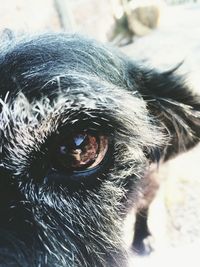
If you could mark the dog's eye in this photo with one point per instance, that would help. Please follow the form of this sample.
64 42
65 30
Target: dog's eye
78 152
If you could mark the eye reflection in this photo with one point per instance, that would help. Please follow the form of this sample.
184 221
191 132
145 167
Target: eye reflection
80 151
78 140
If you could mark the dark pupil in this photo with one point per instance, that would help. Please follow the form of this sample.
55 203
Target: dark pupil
78 152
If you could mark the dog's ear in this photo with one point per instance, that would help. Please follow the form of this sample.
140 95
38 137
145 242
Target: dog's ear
173 105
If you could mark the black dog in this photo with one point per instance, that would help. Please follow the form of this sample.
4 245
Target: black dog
80 127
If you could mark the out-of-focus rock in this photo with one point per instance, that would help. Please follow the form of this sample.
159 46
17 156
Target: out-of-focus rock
143 15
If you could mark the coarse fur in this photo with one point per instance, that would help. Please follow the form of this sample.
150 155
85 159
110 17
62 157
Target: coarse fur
57 81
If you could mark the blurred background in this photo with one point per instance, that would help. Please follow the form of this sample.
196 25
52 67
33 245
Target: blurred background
161 34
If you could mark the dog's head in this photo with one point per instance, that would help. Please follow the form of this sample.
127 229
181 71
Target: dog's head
80 125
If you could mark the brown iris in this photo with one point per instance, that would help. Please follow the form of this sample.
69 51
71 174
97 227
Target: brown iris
80 151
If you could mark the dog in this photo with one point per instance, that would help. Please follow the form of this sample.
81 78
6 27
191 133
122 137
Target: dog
81 127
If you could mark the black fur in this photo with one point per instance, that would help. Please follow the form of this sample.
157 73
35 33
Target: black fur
55 83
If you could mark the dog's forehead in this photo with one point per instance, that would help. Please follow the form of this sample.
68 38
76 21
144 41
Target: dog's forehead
28 64
53 73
